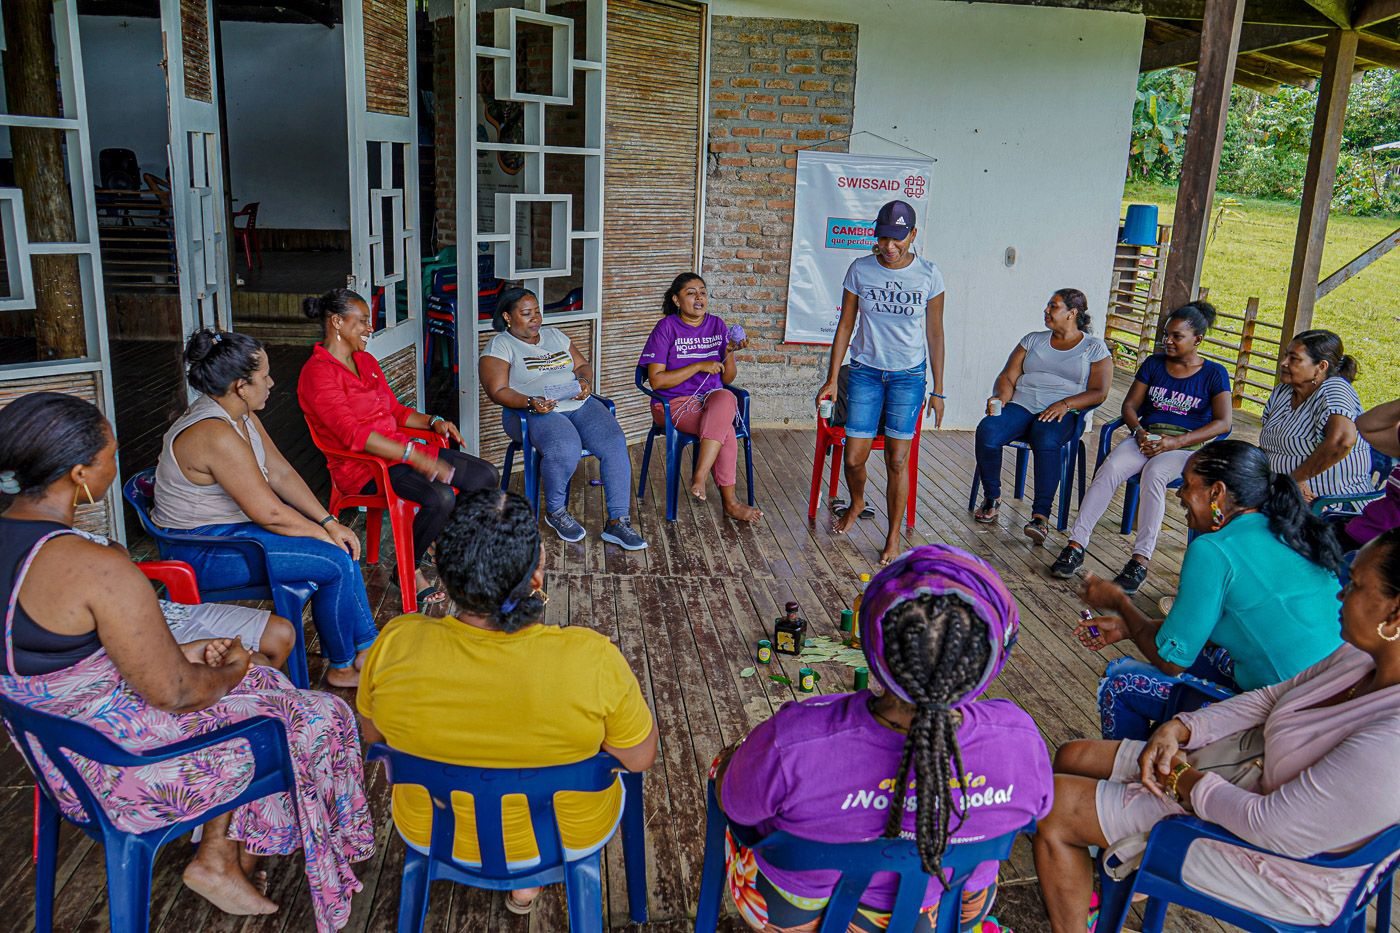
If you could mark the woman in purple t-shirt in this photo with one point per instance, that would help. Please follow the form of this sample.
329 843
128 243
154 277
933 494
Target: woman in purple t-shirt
937 625
689 362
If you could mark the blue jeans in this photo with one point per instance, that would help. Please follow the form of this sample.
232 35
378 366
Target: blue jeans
1133 694
339 608
898 396
1046 439
562 436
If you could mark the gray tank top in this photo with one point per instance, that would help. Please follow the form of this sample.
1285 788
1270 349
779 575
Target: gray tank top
181 504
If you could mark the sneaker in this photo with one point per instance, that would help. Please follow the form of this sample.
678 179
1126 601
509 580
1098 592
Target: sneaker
1131 577
565 525
1037 529
619 531
1068 563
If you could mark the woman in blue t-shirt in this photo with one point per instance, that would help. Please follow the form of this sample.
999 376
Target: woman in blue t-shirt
893 302
1178 402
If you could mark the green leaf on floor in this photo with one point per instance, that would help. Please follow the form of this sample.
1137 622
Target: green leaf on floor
747 672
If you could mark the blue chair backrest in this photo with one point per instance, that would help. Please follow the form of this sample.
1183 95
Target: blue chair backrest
138 492
487 787
858 862
266 738
1381 465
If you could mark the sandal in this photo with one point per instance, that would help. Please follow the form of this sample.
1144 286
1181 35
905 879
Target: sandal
430 595
839 508
517 908
1037 529
987 512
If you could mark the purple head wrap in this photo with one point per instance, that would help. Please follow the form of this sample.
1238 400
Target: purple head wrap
939 570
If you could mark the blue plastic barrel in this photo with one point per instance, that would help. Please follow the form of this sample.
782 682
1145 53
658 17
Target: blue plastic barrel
1140 227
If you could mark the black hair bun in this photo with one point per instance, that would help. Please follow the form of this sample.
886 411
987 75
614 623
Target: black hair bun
311 307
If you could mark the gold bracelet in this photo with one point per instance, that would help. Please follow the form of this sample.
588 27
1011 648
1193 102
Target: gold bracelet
1169 785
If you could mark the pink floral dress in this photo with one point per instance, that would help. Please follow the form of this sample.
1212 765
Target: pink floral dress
328 817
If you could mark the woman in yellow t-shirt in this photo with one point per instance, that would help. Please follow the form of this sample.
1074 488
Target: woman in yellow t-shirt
492 687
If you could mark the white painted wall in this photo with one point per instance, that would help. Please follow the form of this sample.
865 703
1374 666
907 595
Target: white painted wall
1027 111
285 91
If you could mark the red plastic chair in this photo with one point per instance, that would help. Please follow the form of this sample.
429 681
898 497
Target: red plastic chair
248 234
376 504
833 439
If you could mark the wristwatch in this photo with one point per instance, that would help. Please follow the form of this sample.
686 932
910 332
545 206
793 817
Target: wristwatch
1170 784
529 403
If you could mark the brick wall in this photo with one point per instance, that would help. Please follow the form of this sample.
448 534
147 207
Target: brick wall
776 85
444 133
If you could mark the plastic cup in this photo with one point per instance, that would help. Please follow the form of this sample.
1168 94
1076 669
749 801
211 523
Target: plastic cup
1153 438
862 678
826 408
994 406
807 679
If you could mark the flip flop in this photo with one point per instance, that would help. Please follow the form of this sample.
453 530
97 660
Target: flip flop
430 595
839 509
517 908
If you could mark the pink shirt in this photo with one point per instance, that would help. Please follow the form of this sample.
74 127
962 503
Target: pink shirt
1329 775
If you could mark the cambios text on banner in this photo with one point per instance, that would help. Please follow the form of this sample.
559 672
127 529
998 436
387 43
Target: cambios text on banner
838 195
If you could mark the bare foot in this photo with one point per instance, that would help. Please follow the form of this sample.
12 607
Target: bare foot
741 512
345 677
846 522
891 551
230 892
522 900
249 863
697 489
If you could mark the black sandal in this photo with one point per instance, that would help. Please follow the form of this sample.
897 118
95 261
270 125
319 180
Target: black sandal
987 512
839 508
1037 529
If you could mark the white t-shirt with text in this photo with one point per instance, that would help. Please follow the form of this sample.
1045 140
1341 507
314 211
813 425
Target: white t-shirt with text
534 367
890 329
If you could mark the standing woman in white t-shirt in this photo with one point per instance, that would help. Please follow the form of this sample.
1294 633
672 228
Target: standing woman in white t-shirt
536 369
893 302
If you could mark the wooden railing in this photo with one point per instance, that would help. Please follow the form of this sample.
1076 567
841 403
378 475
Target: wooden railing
1135 298
1251 357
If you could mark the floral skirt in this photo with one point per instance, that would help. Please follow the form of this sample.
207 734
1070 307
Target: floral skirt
327 817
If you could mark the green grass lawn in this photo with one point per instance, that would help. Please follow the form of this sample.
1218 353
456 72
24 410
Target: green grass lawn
1250 256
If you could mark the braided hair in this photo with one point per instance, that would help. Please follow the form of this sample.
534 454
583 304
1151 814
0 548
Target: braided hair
937 650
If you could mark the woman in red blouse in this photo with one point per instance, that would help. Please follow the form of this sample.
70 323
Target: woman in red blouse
345 396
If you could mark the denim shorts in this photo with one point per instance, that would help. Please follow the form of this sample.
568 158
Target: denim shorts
897 395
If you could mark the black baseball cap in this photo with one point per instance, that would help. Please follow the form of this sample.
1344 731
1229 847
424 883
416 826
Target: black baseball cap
895 220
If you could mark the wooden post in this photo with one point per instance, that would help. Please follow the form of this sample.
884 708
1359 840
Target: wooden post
31 89
1251 314
1317 185
1210 102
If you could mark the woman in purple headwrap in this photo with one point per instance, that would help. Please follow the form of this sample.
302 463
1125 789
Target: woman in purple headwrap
936 625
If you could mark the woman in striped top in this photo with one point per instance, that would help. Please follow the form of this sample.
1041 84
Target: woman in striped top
1310 420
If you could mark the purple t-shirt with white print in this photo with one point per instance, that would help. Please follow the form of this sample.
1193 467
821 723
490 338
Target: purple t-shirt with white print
675 345
824 768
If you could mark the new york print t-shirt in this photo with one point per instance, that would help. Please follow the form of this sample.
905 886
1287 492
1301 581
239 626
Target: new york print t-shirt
1181 403
890 329
782 777
537 369
675 345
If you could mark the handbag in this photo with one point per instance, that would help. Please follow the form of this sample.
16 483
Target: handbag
1237 758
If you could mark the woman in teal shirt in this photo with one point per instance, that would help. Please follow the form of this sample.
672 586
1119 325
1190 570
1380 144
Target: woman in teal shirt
1257 601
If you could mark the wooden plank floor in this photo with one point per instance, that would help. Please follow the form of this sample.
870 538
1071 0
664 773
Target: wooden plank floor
686 614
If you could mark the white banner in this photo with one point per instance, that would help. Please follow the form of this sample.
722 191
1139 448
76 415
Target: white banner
838 196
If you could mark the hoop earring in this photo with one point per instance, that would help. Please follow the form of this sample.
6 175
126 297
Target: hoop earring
1217 517
543 597
1380 630
91 501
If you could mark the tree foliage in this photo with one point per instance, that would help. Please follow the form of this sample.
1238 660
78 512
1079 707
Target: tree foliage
1267 137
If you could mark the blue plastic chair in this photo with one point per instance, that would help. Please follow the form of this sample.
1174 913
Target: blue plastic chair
582 877
1160 879
1189 696
856 861
677 441
129 856
1072 455
289 597
531 457
1131 487
1381 465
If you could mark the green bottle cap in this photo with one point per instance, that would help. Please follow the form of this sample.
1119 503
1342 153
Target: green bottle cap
848 620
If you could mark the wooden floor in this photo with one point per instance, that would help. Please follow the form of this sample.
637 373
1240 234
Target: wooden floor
686 614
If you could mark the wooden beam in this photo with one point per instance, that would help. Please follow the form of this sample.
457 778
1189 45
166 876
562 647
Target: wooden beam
1256 83
1275 71
1386 244
1252 39
1210 102
1338 11
1372 12
1317 184
1269 12
1381 53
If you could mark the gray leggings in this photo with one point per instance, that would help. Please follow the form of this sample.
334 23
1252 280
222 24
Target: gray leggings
561 438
